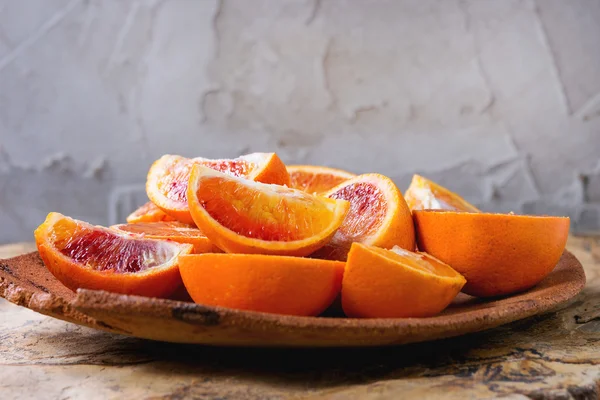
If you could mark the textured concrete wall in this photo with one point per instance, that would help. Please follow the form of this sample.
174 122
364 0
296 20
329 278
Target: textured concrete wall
499 100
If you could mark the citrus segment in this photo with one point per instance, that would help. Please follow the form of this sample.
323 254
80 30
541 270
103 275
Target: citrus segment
176 231
316 179
425 194
498 254
396 283
167 180
242 216
378 216
84 256
272 284
148 213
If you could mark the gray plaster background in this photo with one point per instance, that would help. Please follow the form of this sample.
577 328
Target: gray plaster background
497 99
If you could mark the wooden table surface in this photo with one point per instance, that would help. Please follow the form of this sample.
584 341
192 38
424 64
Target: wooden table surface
554 356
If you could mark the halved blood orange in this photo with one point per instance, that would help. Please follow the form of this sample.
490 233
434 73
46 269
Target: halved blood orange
499 254
424 194
272 284
242 216
175 231
378 216
316 179
148 213
81 255
396 283
167 180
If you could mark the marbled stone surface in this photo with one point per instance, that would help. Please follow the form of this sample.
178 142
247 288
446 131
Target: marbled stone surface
553 356
499 100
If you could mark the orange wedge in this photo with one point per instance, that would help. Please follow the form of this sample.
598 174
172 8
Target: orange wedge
378 216
396 283
167 180
148 213
425 194
175 231
80 255
316 179
242 216
272 284
499 254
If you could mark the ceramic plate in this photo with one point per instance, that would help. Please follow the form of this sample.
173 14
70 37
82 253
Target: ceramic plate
25 281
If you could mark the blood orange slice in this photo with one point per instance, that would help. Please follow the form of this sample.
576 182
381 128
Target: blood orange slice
148 213
167 180
396 283
423 194
176 231
273 284
499 254
242 216
378 216
81 255
316 179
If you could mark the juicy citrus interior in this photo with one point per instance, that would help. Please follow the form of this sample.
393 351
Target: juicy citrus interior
148 213
425 194
173 183
171 228
417 260
314 179
103 250
368 208
272 213
231 167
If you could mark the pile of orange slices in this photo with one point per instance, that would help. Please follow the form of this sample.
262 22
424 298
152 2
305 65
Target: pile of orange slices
251 233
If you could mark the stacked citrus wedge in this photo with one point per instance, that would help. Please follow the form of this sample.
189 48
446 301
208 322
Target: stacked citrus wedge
241 216
167 180
378 216
148 213
498 254
423 194
381 283
315 179
273 284
84 256
175 231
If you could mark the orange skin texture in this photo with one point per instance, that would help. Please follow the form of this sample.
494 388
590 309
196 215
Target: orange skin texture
380 284
230 241
148 213
268 169
271 284
316 179
155 282
396 228
425 194
499 254
169 231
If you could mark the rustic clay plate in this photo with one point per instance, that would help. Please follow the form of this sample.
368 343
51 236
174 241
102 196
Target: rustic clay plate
25 281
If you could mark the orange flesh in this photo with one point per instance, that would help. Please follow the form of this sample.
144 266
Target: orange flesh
426 194
367 210
259 215
149 212
102 250
174 185
310 182
230 167
417 260
162 229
